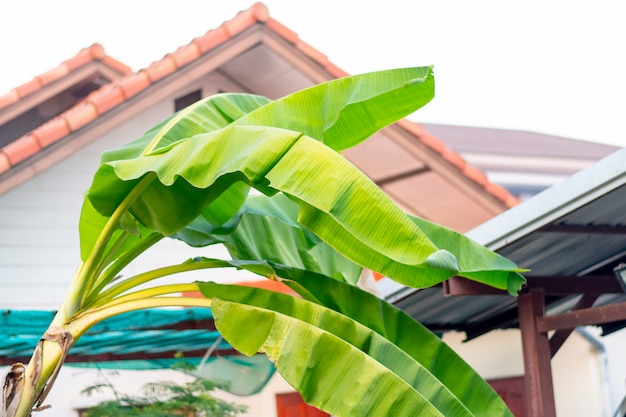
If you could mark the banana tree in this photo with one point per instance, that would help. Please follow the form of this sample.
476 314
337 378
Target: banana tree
315 222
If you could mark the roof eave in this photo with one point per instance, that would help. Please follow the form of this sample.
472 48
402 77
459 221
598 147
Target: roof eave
553 203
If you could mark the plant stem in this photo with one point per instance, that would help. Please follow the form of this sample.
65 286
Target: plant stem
150 293
85 321
133 282
41 368
106 276
83 280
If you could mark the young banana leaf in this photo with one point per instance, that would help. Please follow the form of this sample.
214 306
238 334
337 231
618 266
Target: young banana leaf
352 215
365 103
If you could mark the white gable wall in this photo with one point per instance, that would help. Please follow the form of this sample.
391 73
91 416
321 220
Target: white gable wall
39 246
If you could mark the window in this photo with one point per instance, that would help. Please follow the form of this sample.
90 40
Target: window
184 101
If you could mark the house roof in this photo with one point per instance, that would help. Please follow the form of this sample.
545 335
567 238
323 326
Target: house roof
29 105
430 166
570 236
92 54
474 140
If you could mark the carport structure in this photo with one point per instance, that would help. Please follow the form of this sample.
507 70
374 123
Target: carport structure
572 237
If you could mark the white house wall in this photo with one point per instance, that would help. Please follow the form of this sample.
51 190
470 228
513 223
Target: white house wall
575 368
39 246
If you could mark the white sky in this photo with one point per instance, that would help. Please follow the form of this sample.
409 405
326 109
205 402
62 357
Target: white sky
550 66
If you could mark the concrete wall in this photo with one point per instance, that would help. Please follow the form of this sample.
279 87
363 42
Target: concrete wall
576 368
39 245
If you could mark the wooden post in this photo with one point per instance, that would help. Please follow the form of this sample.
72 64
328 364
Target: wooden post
539 392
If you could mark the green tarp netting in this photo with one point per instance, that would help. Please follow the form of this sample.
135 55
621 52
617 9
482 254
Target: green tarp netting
143 340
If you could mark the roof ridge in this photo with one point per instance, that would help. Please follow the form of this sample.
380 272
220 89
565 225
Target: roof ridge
94 52
118 91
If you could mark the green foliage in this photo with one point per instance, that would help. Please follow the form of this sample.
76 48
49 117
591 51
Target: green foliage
164 399
315 222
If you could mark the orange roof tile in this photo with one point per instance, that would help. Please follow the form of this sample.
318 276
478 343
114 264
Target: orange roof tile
5 164
117 92
93 53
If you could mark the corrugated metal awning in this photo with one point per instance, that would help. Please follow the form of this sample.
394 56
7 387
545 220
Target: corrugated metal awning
574 233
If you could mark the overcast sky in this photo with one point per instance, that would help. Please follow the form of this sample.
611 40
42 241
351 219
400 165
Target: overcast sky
556 67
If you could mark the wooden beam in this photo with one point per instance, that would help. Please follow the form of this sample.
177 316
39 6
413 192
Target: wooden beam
583 317
539 392
462 286
560 336
570 285
552 285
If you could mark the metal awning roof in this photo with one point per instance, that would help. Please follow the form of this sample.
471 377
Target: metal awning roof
573 233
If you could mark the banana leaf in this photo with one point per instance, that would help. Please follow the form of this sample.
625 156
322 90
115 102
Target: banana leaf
266 229
391 323
301 336
409 335
345 102
342 113
206 115
352 215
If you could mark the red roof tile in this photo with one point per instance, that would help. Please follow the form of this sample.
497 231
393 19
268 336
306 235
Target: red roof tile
107 97
134 83
282 30
19 150
115 93
79 115
312 53
211 39
53 75
9 98
51 131
5 164
29 87
186 54
243 21
161 69
93 53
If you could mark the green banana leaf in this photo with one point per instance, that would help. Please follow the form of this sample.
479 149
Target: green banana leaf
206 115
209 114
329 373
475 261
409 335
352 215
391 323
266 229
201 181
345 102
342 113
283 335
